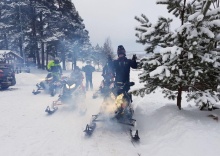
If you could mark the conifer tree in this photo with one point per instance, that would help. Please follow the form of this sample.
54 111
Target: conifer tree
36 28
187 58
107 50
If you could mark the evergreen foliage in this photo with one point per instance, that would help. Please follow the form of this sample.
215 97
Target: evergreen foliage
99 54
42 28
107 51
186 59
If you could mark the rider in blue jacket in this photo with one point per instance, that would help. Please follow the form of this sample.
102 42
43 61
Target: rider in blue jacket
122 67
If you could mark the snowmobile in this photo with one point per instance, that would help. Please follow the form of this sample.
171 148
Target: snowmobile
117 106
7 75
71 92
50 84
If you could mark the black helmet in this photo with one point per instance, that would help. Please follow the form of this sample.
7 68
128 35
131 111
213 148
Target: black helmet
121 50
88 62
56 60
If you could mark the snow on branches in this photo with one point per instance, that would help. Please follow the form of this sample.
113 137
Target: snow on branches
188 57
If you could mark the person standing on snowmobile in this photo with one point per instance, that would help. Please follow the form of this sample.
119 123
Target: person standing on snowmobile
55 68
108 70
88 69
76 76
108 75
122 67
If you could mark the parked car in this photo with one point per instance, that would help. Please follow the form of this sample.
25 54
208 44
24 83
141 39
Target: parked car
7 76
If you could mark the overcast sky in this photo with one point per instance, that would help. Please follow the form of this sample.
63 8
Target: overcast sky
115 19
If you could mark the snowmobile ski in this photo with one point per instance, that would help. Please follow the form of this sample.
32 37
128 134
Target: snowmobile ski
54 107
134 137
90 128
35 92
51 111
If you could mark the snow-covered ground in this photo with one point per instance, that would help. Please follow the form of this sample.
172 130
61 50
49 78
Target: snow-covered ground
26 130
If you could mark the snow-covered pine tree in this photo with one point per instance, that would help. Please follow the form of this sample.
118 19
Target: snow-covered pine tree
12 27
107 50
185 59
96 55
38 27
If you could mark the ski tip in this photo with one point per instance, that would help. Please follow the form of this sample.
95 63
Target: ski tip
135 137
89 129
35 92
49 111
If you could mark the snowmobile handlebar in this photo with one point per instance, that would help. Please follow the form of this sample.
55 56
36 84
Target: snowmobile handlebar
121 84
123 87
131 83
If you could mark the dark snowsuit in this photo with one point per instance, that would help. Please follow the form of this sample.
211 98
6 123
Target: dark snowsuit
108 71
122 70
88 69
108 75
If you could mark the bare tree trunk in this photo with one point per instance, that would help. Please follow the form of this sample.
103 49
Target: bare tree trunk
43 53
47 54
20 47
42 43
74 60
179 97
63 60
6 41
35 47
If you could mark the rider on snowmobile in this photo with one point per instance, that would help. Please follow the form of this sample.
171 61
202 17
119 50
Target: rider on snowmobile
122 68
73 84
108 81
108 75
123 111
76 76
108 69
54 68
52 77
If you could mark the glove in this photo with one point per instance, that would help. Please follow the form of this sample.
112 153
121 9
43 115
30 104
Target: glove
134 58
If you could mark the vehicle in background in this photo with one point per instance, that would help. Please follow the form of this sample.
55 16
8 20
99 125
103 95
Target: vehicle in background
7 76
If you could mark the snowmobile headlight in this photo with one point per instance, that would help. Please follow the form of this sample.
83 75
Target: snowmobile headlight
49 78
119 100
67 86
73 86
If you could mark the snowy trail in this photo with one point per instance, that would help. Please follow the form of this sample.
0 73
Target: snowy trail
26 130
